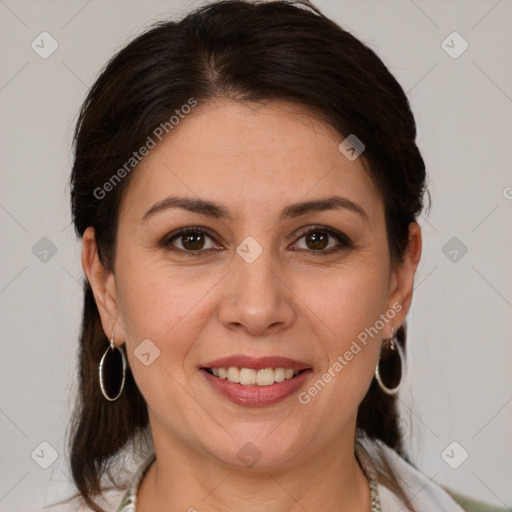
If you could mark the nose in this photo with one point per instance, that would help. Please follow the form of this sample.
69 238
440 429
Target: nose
256 297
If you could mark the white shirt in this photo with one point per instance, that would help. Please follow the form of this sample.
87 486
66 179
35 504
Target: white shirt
423 493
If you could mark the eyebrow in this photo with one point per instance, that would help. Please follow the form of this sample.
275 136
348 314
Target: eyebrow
291 211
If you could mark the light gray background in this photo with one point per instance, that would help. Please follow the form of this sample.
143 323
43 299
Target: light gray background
459 379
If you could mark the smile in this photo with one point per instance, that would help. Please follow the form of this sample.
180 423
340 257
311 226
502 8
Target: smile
252 377
253 394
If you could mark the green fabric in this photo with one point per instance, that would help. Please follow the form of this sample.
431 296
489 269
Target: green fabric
472 505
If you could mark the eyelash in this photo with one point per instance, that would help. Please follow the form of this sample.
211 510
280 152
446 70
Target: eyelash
344 241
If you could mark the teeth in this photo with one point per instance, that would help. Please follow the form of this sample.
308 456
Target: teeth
233 374
265 377
279 374
249 376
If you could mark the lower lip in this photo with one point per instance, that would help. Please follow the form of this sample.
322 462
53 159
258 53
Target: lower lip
256 396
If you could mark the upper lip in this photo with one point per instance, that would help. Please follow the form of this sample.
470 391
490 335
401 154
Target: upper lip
256 363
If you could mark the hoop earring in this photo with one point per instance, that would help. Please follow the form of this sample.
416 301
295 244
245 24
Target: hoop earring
390 368
111 365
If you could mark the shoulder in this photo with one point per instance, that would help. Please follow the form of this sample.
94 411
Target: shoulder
422 492
129 500
471 505
108 500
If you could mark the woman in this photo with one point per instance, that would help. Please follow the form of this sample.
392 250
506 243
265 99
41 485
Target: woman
246 184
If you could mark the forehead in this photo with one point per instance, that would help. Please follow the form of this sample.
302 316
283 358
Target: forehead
251 156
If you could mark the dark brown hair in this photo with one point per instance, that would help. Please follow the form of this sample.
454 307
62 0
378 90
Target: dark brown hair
248 52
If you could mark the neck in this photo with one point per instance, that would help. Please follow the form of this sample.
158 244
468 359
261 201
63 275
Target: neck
183 479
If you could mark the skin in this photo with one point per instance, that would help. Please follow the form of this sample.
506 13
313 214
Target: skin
255 159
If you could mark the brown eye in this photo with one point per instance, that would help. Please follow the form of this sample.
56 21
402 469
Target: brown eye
323 241
190 241
317 240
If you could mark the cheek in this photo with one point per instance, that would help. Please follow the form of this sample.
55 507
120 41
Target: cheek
153 298
346 300
346 306
155 309
164 305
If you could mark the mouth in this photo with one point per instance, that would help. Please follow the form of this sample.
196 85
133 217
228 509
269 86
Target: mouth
255 382
254 377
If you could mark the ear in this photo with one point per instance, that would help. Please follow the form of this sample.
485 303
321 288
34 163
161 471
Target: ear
402 280
103 286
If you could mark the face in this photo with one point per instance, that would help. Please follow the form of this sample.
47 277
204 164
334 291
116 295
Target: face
253 277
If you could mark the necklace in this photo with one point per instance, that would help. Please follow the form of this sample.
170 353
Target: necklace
369 470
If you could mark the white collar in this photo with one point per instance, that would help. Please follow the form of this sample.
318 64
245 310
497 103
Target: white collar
422 492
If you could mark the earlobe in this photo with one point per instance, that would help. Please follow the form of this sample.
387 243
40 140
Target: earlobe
403 275
102 282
